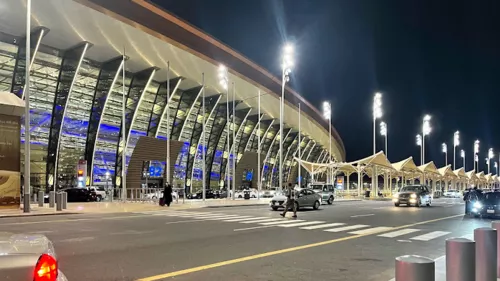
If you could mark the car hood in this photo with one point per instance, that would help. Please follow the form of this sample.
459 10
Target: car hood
406 192
25 243
279 197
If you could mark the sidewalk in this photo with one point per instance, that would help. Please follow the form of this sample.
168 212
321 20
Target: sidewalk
128 207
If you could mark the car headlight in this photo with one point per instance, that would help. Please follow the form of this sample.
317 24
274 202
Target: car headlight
477 205
396 195
413 196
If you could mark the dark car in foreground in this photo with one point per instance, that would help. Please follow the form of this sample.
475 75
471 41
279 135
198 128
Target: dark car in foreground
416 195
486 204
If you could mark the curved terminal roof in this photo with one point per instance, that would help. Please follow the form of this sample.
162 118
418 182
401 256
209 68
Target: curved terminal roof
152 37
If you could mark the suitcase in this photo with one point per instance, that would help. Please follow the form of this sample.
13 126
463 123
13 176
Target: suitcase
162 201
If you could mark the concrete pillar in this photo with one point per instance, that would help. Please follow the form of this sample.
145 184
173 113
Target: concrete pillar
486 253
415 268
460 259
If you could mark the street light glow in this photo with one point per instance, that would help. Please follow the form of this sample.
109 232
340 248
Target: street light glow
456 139
490 153
462 153
383 128
427 125
419 140
288 63
377 106
476 147
444 148
222 73
327 110
496 164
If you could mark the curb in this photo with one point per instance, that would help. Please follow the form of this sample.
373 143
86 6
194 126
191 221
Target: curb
38 215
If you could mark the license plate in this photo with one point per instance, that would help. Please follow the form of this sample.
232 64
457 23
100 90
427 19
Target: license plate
490 211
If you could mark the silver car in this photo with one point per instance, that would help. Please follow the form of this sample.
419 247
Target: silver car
327 192
305 198
28 257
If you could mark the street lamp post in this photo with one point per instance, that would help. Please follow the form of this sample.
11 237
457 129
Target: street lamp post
224 82
476 151
287 64
462 154
327 114
490 156
107 186
419 143
456 142
377 113
426 129
27 149
445 151
383 132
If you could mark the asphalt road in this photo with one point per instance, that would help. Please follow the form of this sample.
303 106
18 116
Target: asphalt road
345 241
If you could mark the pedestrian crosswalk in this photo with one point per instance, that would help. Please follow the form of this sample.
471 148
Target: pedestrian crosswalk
331 227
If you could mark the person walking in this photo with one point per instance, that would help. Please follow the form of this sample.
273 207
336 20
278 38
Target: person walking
290 201
167 194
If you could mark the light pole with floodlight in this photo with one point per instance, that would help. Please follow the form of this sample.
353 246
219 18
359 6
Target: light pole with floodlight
327 114
490 156
462 154
476 152
444 148
377 113
426 129
224 82
286 67
419 143
456 142
383 132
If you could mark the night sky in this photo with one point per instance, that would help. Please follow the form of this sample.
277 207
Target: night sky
432 57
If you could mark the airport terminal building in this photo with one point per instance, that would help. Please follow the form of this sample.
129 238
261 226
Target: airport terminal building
79 77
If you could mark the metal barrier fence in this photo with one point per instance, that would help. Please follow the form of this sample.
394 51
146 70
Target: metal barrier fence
466 260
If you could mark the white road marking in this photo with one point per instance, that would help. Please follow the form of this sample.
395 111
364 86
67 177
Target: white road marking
404 241
174 222
250 228
350 227
209 216
399 232
283 221
322 226
77 239
366 215
300 223
247 219
371 230
42 231
259 221
430 235
130 232
223 217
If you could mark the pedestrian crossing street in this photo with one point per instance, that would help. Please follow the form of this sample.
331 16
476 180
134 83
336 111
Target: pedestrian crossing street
413 234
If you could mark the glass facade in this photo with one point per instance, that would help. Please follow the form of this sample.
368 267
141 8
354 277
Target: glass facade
77 108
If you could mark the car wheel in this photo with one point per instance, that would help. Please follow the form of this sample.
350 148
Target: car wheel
99 198
316 205
239 196
253 196
274 208
330 200
396 204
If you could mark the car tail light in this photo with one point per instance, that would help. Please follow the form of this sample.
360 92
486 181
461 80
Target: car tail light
46 268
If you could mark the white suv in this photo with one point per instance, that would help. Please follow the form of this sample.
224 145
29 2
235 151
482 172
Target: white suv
100 192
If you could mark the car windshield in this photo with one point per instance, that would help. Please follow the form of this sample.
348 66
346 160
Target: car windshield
318 187
492 197
410 188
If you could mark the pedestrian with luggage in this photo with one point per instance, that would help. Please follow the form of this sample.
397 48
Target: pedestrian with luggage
167 195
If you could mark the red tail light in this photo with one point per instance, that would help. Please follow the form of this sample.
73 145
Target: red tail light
46 268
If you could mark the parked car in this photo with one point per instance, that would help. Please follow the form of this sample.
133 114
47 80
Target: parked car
416 195
327 192
305 198
28 257
159 194
76 194
452 193
100 192
209 194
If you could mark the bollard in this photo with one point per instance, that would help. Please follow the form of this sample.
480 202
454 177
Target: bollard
415 268
41 198
486 253
460 259
496 226
64 200
52 199
59 201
